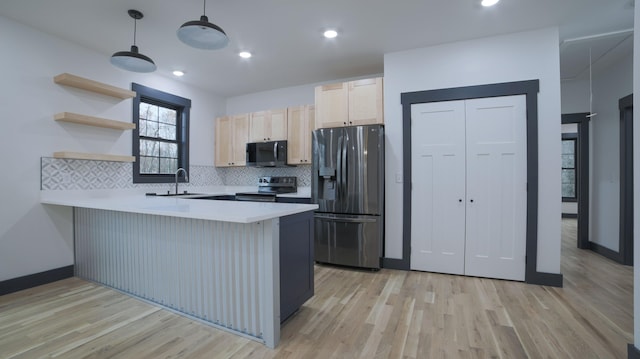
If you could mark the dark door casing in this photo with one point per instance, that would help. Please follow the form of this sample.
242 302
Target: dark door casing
626 180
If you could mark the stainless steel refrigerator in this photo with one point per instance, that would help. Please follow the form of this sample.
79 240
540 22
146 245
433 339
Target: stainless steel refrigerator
347 183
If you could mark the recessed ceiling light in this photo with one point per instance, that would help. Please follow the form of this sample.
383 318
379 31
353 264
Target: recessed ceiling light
178 73
489 2
245 54
330 34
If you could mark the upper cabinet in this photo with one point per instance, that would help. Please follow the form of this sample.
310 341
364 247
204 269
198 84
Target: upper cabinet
231 139
301 121
349 103
331 105
293 124
270 125
365 102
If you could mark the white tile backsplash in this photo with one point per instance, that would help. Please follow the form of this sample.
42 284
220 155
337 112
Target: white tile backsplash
70 174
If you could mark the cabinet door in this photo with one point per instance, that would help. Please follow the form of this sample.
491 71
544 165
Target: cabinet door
300 123
296 134
240 138
277 125
331 105
365 102
258 126
306 136
223 138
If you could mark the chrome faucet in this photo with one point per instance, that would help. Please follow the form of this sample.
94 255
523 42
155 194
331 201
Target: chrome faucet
186 178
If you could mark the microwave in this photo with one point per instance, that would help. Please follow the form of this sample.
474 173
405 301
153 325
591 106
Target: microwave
267 154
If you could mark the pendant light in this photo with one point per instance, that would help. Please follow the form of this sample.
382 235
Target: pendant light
133 60
202 34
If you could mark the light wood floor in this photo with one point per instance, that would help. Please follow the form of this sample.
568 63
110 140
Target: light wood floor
354 314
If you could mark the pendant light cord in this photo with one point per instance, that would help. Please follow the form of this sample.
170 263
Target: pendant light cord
135 22
204 8
590 86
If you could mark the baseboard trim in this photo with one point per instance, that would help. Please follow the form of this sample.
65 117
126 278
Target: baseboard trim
392 263
605 252
34 280
633 352
548 279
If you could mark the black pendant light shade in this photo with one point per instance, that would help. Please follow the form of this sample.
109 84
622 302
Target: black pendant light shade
202 34
133 60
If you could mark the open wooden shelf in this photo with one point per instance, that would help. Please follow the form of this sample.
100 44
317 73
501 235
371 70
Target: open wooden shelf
93 86
93 156
93 121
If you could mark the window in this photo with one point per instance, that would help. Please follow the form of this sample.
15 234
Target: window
161 137
569 172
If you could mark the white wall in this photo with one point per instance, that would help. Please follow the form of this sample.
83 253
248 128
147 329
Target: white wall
274 99
609 86
514 57
280 98
575 96
34 237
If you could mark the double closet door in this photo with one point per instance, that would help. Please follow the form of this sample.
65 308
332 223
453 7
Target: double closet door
469 171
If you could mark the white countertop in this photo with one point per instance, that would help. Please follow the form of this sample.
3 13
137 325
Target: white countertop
227 211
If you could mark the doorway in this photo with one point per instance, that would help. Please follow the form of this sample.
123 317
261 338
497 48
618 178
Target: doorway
528 88
582 175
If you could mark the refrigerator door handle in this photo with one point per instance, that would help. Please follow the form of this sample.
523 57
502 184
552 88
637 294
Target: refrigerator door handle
343 169
339 169
343 219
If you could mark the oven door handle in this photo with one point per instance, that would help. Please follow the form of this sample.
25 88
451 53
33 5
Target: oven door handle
275 152
345 219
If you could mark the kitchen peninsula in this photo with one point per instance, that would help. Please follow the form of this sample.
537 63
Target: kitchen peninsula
239 266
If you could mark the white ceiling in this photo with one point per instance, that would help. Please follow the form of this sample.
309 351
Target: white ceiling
285 36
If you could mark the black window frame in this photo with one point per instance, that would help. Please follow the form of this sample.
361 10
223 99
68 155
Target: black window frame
572 137
182 106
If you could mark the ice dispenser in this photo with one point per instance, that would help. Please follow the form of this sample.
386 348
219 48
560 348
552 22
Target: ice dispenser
327 183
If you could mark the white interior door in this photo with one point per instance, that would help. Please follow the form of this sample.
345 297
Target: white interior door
469 173
496 187
438 180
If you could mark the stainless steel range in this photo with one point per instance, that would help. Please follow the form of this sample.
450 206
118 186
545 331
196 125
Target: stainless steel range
269 187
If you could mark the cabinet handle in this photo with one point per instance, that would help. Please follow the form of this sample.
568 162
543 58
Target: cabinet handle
345 123
471 201
460 200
